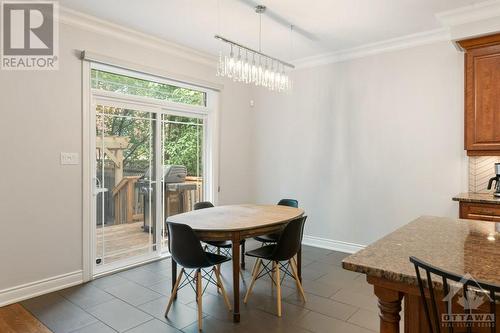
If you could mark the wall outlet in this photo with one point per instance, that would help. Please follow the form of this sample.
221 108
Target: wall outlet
70 159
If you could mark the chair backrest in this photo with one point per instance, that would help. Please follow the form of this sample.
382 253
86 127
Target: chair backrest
202 205
289 203
453 286
185 246
290 240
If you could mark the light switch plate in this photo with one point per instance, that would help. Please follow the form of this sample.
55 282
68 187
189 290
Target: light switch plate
70 159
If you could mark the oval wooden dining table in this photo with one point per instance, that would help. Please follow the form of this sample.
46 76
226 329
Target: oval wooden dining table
235 223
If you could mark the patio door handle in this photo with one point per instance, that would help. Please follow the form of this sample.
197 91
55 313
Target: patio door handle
97 187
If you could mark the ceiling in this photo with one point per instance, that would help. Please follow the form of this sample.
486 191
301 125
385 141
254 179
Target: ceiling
321 25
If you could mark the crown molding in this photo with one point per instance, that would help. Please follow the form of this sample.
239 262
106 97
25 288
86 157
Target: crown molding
469 21
468 14
465 22
93 24
393 44
472 21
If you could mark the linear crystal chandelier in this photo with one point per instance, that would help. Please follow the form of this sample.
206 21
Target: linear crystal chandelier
244 64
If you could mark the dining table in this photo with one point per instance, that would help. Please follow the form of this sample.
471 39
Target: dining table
236 223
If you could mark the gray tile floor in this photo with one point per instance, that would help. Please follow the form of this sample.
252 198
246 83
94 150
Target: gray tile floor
135 300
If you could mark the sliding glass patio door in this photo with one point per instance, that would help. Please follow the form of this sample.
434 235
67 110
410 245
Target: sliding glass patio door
182 150
125 176
149 163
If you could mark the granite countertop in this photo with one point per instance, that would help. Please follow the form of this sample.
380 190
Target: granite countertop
486 198
458 246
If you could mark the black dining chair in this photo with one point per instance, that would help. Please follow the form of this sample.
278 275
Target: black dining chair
223 246
187 251
472 295
279 256
273 237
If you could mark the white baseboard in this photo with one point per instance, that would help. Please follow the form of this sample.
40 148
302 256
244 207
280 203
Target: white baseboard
332 244
40 287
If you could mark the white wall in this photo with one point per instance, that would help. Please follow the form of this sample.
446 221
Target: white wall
365 145
41 116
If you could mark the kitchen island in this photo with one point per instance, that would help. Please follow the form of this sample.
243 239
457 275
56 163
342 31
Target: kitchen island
459 246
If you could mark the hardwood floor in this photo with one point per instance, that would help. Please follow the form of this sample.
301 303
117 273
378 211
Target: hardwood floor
16 319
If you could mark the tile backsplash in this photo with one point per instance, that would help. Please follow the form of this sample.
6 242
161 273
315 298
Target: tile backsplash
481 169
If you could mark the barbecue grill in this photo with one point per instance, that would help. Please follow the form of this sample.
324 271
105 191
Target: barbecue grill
174 180
171 174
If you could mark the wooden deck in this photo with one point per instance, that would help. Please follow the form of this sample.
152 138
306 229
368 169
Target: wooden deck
126 237
122 241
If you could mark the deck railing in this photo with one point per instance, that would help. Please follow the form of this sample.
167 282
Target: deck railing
128 199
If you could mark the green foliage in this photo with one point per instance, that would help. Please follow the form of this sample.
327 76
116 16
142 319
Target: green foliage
182 139
182 136
133 86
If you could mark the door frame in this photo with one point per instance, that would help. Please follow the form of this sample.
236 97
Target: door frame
210 115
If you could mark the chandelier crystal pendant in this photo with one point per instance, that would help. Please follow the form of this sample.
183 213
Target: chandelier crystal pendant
244 64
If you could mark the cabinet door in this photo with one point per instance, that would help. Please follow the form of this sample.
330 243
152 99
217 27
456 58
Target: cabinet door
482 99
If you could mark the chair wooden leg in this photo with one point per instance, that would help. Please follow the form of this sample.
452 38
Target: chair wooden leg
174 291
199 291
278 286
254 278
254 266
223 290
291 263
297 280
296 260
251 274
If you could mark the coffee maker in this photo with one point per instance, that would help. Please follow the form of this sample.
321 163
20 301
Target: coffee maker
497 181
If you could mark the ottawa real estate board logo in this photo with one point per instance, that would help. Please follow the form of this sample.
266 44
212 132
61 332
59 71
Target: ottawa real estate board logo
29 35
471 300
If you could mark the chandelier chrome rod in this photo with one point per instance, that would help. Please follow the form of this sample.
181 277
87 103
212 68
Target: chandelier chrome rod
225 40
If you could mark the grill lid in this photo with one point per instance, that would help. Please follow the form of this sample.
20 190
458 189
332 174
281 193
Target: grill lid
171 174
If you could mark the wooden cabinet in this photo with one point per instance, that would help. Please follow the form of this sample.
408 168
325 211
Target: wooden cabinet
480 211
482 95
